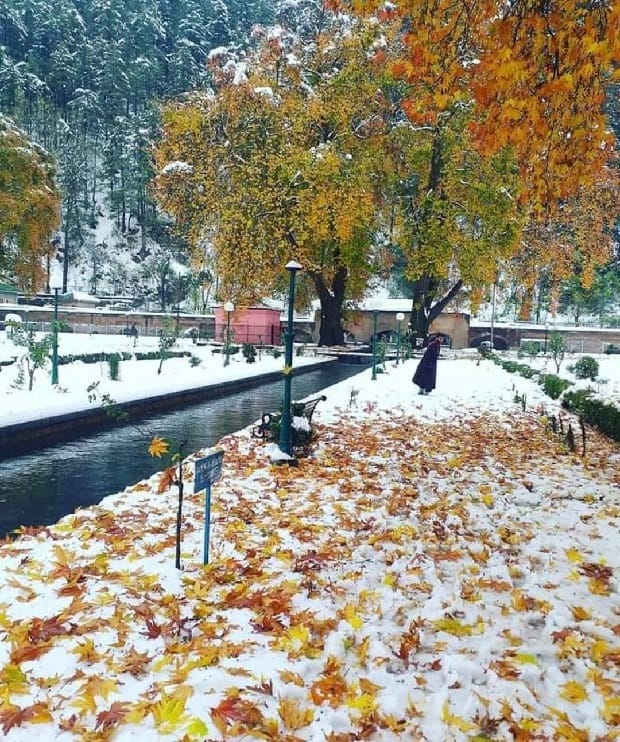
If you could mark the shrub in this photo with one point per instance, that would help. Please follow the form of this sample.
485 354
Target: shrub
611 349
553 385
114 362
249 352
586 368
595 412
276 352
194 361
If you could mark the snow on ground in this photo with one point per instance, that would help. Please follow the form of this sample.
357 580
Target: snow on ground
439 568
138 379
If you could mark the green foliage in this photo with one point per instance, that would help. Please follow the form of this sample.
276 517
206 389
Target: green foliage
114 362
605 417
553 385
249 352
167 339
586 368
276 352
556 347
37 351
194 361
612 349
531 349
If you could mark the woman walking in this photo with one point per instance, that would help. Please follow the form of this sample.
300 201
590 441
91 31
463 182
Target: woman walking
426 373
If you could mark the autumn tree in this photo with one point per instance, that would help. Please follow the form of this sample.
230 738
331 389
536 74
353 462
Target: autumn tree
283 161
29 207
533 77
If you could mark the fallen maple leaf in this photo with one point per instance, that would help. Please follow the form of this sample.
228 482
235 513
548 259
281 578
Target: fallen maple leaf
112 717
293 715
15 716
158 447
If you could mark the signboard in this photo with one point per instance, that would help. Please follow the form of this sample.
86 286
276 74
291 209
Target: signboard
208 470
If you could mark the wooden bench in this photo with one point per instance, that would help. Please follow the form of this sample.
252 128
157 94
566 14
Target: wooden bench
270 421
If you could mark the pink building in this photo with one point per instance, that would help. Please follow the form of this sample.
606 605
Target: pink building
249 325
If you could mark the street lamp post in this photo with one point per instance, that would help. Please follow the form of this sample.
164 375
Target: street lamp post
399 317
55 338
286 437
374 344
228 308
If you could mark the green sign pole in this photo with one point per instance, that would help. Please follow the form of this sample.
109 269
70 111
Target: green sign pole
205 559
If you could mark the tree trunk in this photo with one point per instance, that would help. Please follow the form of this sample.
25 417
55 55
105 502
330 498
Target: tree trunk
424 308
331 331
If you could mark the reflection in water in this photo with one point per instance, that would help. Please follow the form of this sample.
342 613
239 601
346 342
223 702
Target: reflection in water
37 489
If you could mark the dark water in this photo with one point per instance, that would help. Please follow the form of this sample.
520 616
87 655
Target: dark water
37 489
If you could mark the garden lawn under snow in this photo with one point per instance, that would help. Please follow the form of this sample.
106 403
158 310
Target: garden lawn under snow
439 568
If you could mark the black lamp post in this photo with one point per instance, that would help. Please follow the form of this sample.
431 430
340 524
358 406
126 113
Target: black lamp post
286 438
228 308
399 317
55 338
374 345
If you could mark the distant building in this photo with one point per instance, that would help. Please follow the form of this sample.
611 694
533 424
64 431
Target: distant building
8 294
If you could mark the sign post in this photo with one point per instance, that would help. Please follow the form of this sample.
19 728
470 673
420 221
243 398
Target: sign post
207 472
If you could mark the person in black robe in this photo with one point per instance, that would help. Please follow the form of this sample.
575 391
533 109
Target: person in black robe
426 373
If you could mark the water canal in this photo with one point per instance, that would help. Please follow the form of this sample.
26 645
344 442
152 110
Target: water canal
39 488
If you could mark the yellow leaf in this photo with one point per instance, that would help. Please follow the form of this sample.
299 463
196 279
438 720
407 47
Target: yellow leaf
293 716
352 617
573 692
455 721
611 711
158 447
169 713
197 728
456 627
579 613
365 703
526 659
574 556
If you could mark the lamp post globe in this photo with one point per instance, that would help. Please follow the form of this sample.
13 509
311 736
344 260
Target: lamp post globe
229 307
286 437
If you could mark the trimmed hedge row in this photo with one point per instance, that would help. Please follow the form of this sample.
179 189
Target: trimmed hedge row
595 412
552 384
605 417
124 356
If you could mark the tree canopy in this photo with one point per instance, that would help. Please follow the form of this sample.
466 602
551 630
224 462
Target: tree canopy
533 78
283 161
29 206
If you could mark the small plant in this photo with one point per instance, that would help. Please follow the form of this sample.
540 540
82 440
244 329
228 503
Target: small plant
37 351
557 349
612 349
586 368
249 352
114 364
276 352
173 475
194 361
167 338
